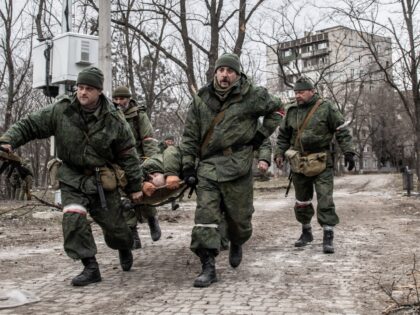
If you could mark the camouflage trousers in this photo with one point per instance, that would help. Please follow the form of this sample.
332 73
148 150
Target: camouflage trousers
25 188
138 214
304 191
218 201
78 238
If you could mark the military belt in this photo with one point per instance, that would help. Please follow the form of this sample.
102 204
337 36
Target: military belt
226 151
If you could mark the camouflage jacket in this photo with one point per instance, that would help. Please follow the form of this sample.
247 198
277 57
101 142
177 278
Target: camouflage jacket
81 145
168 162
142 130
319 131
228 154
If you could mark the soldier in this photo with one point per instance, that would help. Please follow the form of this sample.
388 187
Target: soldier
94 142
221 132
27 176
162 169
146 146
323 121
13 183
167 142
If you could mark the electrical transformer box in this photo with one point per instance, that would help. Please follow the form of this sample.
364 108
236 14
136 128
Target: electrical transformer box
59 60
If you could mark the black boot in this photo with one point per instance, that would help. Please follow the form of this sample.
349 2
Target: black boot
305 238
155 232
126 259
235 255
90 274
327 243
208 272
136 237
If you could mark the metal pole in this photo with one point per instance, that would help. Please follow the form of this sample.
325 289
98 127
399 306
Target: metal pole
105 44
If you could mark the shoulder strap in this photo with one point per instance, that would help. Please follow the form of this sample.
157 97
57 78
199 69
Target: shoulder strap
305 123
219 117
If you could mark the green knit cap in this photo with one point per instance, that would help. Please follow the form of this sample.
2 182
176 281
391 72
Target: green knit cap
303 83
229 60
91 76
121 91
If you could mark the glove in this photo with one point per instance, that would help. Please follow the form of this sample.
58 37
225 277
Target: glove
172 182
257 141
190 177
349 160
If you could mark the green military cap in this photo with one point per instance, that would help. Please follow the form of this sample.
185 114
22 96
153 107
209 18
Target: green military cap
303 83
229 60
91 76
169 137
121 91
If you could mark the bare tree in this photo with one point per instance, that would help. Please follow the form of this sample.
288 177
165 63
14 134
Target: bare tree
16 66
402 75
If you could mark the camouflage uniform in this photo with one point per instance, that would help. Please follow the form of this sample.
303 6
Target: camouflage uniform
225 165
146 147
13 183
85 141
26 174
316 137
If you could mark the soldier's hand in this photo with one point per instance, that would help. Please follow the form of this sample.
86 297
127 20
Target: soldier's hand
263 166
349 160
6 147
137 196
279 161
148 188
172 182
190 177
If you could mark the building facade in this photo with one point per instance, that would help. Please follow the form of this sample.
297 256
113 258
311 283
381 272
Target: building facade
344 65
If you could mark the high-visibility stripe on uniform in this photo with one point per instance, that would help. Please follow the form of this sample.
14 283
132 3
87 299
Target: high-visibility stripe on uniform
149 139
214 226
303 204
75 208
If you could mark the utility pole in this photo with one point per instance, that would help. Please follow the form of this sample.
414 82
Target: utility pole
66 26
105 44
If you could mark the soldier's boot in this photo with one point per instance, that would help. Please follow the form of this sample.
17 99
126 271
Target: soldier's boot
174 206
90 273
126 259
235 255
136 237
155 231
327 244
208 272
306 236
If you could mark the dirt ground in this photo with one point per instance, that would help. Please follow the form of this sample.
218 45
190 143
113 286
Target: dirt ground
373 271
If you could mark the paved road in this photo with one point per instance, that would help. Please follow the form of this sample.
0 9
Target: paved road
375 242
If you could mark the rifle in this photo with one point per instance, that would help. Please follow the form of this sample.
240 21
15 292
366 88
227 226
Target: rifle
290 183
100 189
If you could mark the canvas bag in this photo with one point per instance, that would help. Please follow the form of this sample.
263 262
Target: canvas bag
112 177
310 164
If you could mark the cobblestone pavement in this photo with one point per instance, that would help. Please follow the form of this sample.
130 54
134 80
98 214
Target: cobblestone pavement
375 242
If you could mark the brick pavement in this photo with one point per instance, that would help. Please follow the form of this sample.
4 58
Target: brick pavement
373 242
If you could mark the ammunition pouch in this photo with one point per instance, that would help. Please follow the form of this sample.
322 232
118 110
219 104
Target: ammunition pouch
53 166
112 177
310 164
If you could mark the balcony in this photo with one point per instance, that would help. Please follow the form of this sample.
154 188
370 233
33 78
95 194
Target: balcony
318 52
287 59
